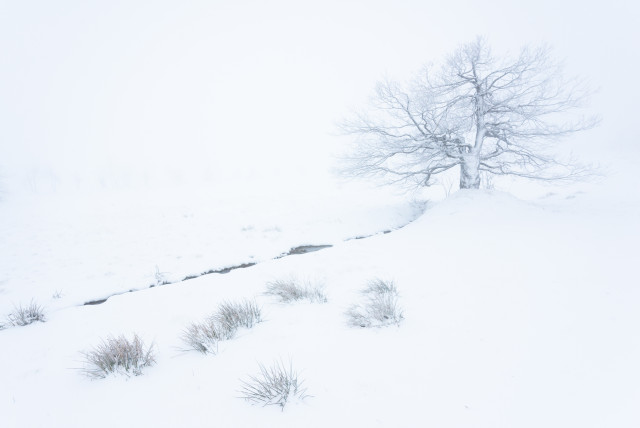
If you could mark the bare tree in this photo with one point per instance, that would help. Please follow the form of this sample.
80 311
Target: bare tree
482 113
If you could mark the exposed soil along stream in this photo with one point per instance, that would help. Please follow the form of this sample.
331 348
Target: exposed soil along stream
97 302
302 249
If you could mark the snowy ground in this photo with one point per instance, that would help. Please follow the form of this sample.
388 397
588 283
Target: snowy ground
144 137
88 246
517 314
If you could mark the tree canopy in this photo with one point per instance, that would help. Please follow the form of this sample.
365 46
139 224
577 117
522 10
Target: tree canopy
475 111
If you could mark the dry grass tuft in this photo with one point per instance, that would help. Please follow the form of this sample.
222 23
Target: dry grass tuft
275 385
222 325
118 355
380 307
291 290
24 315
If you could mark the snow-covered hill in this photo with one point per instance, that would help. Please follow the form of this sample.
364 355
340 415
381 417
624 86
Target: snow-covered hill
86 246
517 314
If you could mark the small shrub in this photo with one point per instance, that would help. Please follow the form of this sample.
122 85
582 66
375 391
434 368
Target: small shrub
203 337
275 385
291 290
222 325
286 290
57 294
378 286
25 315
118 355
380 307
242 314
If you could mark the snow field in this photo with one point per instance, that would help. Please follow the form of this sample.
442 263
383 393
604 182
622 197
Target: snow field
527 321
89 246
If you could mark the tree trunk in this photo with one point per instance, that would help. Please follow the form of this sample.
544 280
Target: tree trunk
469 172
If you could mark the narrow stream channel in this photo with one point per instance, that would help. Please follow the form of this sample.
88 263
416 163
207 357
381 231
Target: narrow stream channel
303 249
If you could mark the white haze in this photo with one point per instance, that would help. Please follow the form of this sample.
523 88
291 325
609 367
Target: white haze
126 94
150 142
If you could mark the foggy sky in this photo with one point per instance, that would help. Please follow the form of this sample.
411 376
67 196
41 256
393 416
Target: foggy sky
146 91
